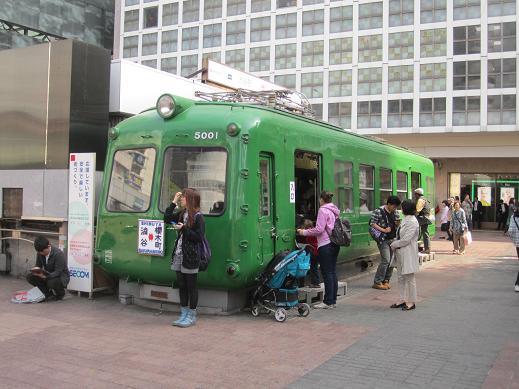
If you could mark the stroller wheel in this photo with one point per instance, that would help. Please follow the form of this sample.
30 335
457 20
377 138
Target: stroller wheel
281 315
303 309
255 311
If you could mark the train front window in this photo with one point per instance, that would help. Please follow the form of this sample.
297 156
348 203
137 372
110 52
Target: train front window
201 168
131 180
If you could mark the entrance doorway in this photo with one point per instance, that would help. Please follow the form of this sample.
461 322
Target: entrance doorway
307 172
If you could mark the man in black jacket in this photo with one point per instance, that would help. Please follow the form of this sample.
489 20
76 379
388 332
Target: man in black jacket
51 274
477 213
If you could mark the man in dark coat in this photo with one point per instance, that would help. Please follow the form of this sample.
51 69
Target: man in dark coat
477 213
51 274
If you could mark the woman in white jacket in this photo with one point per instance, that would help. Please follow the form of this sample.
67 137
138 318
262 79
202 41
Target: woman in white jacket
406 256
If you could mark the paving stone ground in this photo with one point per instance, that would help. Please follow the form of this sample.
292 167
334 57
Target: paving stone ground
463 334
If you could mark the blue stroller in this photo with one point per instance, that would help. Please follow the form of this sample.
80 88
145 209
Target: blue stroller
277 291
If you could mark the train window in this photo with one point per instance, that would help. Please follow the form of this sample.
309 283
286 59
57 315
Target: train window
416 179
344 185
386 185
366 186
401 185
265 188
131 180
202 168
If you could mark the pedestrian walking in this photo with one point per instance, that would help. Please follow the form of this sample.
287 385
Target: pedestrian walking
468 207
327 250
477 213
458 227
513 233
512 206
184 214
501 214
384 220
444 218
423 212
405 248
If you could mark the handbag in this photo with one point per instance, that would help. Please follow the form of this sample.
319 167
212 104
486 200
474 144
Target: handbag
378 236
467 237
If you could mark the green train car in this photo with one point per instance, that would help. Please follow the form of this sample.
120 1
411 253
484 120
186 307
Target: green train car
259 169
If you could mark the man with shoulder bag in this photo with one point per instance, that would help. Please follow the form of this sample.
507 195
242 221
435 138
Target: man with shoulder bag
383 224
423 212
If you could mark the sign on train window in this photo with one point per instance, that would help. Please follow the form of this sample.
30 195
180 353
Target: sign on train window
401 185
201 168
366 187
343 185
131 180
386 185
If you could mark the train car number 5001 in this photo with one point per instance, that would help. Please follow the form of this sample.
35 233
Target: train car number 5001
205 135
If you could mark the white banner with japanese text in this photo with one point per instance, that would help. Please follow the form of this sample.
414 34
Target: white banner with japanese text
81 201
150 240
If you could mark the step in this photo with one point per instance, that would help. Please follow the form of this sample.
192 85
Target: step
422 257
313 295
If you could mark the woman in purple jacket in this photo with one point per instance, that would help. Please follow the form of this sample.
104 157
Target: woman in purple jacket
327 251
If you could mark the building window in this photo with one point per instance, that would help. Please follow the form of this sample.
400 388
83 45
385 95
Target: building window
501 109
129 3
318 111
369 81
433 43
312 53
401 45
339 83
286 80
367 189
501 37
343 172
236 7
169 65
401 185
191 11
235 59
213 35
260 5
386 184
213 56
149 44
131 20
502 73
260 29
189 64
467 40
432 11
400 113
131 46
370 48
369 114
190 38
465 111
259 59
286 56
169 41
286 26
313 22
370 16
433 77
401 12
308 2
467 75
400 79
432 112
212 9
235 32
341 51
341 19
151 17
501 7
170 14
151 63
285 3
339 114
466 9
312 84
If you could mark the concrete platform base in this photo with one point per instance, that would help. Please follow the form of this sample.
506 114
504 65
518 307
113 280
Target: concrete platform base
215 302
316 295
422 257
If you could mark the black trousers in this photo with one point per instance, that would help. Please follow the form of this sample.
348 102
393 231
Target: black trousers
188 289
47 285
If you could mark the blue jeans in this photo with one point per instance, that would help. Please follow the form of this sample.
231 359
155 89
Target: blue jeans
328 260
384 271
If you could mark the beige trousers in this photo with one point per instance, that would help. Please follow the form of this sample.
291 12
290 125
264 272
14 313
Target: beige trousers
459 242
407 287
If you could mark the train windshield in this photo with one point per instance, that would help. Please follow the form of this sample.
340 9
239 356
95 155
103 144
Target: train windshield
202 168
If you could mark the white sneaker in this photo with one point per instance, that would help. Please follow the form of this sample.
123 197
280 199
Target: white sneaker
324 306
517 288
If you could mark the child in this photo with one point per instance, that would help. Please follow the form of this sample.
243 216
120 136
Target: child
311 241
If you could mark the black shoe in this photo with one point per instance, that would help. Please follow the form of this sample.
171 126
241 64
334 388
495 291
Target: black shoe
397 305
406 308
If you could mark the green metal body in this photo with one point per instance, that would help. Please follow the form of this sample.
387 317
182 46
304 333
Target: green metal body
241 239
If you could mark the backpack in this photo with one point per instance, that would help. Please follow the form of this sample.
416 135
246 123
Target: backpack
341 232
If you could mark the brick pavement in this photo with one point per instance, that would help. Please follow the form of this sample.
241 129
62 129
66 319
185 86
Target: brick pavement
464 334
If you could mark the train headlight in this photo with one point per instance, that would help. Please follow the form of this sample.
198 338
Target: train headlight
233 129
113 133
166 106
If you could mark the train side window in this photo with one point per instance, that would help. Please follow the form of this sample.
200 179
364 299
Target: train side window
416 181
386 184
344 185
401 185
131 180
265 188
367 189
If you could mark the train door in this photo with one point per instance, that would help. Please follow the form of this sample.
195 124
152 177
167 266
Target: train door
267 225
308 185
